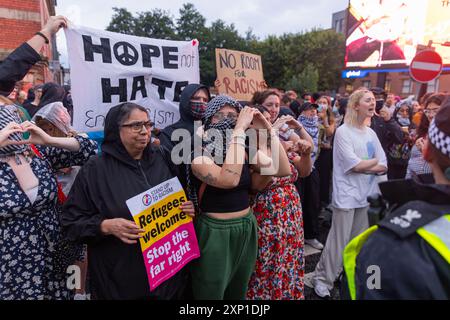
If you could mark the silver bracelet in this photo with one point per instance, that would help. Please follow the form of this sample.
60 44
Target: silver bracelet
242 137
241 143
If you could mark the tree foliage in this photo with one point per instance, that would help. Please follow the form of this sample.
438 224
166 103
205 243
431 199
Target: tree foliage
308 61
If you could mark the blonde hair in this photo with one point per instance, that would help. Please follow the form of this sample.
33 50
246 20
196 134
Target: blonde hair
351 115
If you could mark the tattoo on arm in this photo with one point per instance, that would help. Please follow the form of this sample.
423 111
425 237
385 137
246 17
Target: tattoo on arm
232 172
209 179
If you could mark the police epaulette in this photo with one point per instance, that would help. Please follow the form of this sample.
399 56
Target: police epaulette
405 220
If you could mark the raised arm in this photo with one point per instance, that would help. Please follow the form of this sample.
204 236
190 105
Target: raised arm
273 160
19 62
52 26
303 163
61 152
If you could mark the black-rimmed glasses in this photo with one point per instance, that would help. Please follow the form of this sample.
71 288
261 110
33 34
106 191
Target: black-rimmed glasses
137 126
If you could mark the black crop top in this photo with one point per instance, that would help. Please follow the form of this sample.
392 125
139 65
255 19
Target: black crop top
227 200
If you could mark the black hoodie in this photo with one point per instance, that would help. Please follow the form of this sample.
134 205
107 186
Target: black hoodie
99 192
16 66
186 118
51 92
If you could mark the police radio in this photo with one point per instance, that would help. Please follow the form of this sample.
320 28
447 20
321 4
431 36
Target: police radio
378 208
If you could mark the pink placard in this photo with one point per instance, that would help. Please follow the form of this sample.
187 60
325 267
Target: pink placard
168 255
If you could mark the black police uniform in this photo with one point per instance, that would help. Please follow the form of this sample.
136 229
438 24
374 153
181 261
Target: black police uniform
407 264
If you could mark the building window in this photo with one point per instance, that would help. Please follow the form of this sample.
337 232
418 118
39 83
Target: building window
340 27
407 86
366 84
387 86
433 86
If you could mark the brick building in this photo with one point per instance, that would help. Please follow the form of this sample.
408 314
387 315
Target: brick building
19 21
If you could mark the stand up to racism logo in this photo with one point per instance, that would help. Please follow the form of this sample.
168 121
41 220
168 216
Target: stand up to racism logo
147 199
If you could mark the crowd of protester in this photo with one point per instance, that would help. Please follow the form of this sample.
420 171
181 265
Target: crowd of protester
62 202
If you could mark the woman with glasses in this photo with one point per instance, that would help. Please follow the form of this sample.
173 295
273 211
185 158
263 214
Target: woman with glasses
96 212
417 164
222 178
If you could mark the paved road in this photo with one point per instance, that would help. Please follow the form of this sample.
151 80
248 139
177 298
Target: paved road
313 256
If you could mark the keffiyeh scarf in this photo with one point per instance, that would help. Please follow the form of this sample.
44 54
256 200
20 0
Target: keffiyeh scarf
216 138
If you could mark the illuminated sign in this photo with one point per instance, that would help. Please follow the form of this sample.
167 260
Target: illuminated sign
354 74
389 33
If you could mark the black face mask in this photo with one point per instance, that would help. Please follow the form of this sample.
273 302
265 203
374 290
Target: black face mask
379 105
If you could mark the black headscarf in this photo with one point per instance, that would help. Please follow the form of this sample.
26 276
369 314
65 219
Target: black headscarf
51 92
30 97
186 118
112 144
67 102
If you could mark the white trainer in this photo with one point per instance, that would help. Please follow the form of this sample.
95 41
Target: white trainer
80 296
321 290
314 243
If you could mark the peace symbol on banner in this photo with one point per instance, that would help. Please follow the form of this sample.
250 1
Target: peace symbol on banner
128 55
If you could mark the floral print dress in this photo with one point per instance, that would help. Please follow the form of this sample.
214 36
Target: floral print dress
280 265
30 232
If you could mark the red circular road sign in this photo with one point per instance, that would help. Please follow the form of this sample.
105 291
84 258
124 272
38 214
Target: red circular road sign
425 66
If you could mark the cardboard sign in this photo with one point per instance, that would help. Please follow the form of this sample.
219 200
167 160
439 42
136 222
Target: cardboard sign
169 241
239 74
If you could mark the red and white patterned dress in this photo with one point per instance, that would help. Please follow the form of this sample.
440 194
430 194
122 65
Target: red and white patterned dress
280 265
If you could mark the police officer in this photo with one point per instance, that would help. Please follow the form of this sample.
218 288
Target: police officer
407 255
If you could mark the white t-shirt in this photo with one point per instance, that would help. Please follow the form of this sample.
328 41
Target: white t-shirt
351 146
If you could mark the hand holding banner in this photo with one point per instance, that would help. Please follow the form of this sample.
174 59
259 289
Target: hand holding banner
108 68
239 74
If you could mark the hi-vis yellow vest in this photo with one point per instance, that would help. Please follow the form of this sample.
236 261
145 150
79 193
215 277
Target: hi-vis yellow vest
436 234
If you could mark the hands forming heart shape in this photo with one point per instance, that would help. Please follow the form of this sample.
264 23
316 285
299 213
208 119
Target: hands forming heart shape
37 135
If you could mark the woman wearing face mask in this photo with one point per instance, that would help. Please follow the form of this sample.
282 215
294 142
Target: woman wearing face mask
309 187
398 154
222 174
325 159
358 158
193 101
417 164
29 222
